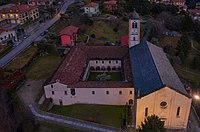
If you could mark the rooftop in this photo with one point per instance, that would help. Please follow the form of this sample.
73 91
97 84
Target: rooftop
134 15
111 2
71 69
92 4
69 30
17 8
152 70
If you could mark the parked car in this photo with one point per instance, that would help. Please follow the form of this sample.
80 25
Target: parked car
26 36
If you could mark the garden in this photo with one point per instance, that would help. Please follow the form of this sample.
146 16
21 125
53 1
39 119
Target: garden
103 114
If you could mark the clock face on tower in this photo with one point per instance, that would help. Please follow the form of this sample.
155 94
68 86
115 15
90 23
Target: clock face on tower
134 31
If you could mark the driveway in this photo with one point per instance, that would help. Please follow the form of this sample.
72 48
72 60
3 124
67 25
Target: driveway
28 92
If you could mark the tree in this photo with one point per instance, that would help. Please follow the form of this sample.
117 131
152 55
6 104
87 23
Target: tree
183 47
152 124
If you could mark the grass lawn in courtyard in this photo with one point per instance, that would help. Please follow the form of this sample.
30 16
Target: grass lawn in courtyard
21 60
115 76
103 114
43 67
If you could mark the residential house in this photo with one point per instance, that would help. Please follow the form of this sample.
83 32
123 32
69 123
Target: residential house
69 35
195 13
19 14
110 5
7 32
46 3
92 9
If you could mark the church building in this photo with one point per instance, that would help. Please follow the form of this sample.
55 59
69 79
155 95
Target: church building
147 80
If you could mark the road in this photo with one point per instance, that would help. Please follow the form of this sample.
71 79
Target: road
27 42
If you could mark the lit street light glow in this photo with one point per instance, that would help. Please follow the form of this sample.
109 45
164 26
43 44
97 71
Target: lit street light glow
196 97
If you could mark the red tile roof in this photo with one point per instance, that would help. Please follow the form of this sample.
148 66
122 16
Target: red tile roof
70 30
73 66
38 0
111 2
17 8
194 12
124 40
92 4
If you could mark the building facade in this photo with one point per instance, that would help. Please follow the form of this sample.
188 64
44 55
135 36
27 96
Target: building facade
19 14
69 35
149 84
46 3
92 9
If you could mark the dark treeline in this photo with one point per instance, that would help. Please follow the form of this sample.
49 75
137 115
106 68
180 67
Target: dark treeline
9 121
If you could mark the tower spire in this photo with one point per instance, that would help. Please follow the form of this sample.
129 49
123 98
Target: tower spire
134 29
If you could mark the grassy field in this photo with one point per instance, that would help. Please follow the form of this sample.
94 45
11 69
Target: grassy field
21 60
104 30
43 67
103 114
58 26
115 76
165 40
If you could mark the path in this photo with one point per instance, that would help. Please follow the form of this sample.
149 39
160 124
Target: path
192 45
27 42
70 122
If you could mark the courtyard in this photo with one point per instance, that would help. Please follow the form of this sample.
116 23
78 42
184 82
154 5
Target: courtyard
105 76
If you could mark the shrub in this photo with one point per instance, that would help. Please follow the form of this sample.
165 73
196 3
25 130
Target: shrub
93 35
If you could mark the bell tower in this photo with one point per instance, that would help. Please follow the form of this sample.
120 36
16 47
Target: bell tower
134 29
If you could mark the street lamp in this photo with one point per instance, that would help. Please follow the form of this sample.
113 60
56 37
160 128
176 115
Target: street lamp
196 97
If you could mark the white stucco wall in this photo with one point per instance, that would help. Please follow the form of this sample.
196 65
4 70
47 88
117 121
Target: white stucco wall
91 10
105 63
173 99
5 36
85 96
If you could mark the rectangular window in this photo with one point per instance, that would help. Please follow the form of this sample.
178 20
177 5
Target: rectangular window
120 92
109 61
73 91
65 92
93 92
52 92
107 92
51 86
131 92
96 61
116 61
146 112
178 112
102 61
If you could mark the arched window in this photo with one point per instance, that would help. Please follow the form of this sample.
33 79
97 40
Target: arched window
97 68
178 112
146 111
136 25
